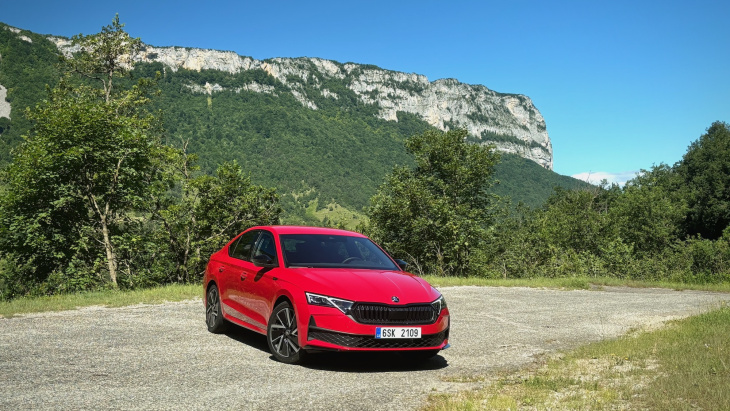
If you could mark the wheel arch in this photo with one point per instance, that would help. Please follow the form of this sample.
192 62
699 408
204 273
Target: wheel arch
282 298
211 282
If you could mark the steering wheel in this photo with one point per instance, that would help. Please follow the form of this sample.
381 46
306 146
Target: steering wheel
351 259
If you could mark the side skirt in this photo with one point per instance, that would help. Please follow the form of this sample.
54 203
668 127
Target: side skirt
237 318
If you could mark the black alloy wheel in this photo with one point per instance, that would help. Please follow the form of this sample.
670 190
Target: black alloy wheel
283 335
213 315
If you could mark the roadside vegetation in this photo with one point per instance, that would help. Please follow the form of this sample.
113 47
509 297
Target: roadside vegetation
570 283
104 298
669 224
684 365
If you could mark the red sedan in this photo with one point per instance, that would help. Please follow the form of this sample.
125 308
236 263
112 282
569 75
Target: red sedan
316 289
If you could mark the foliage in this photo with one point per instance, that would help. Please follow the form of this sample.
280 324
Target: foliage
438 213
93 198
206 213
649 212
82 169
705 175
105 56
639 231
634 232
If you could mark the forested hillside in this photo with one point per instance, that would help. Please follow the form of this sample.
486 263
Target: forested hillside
26 67
342 154
336 155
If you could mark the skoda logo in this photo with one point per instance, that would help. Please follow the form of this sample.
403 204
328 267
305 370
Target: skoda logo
395 299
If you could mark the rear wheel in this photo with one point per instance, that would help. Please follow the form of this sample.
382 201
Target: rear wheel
283 335
213 315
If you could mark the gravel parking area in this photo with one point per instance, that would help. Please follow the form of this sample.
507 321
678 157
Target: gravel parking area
162 357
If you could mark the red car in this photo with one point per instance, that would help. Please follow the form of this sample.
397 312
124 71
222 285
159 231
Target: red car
317 289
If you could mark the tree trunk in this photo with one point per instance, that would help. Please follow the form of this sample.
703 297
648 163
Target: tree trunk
111 258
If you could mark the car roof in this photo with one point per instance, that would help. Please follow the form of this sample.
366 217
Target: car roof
295 229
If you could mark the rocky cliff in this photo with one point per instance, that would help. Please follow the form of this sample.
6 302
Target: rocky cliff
510 121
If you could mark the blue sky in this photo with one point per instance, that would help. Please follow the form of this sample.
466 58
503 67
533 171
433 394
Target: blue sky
623 85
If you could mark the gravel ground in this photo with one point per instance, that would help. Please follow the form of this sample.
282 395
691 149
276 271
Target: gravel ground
162 357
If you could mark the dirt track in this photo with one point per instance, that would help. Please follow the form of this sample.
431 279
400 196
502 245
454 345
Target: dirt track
162 357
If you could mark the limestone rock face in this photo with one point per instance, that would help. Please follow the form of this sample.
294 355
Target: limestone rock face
509 121
4 105
196 59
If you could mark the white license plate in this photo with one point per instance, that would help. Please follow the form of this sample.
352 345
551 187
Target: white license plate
397 332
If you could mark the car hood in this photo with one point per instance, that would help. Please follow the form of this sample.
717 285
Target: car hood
367 285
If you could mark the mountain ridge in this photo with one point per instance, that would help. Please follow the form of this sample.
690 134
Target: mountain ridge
509 121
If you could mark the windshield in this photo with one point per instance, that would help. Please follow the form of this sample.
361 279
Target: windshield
333 251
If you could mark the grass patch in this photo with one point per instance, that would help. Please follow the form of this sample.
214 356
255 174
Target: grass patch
336 214
685 365
572 283
609 281
569 283
106 298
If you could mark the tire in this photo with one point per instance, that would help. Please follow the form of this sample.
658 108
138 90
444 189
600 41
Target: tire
420 355
283 336
213 313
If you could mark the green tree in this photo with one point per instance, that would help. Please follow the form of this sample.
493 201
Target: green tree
206 212
576 220
86 163
650 210
105 56
705 174
437 214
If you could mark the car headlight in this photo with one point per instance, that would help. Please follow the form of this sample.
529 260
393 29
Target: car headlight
439 304
325 301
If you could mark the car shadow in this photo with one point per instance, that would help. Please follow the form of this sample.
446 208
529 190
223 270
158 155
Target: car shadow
369 362
363 362
248 337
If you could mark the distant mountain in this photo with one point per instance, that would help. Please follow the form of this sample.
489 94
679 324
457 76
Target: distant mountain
510 121
324 133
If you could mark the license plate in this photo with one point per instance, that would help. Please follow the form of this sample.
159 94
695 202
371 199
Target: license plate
397 332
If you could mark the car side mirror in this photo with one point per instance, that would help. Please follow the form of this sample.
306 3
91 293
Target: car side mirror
402 264
263 260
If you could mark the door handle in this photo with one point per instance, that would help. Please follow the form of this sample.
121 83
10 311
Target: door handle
243 277
220 269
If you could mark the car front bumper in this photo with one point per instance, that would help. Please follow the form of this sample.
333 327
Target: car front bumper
330 331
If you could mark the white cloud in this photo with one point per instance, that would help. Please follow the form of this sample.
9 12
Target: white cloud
595 177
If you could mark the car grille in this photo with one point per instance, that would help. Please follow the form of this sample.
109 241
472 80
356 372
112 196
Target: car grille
394 315
369 341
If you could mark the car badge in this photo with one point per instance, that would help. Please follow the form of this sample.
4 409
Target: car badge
395 299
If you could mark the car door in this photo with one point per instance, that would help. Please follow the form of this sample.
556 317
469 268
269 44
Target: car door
233 272
260 287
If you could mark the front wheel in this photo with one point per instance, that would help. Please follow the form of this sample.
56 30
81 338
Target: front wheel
283 335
